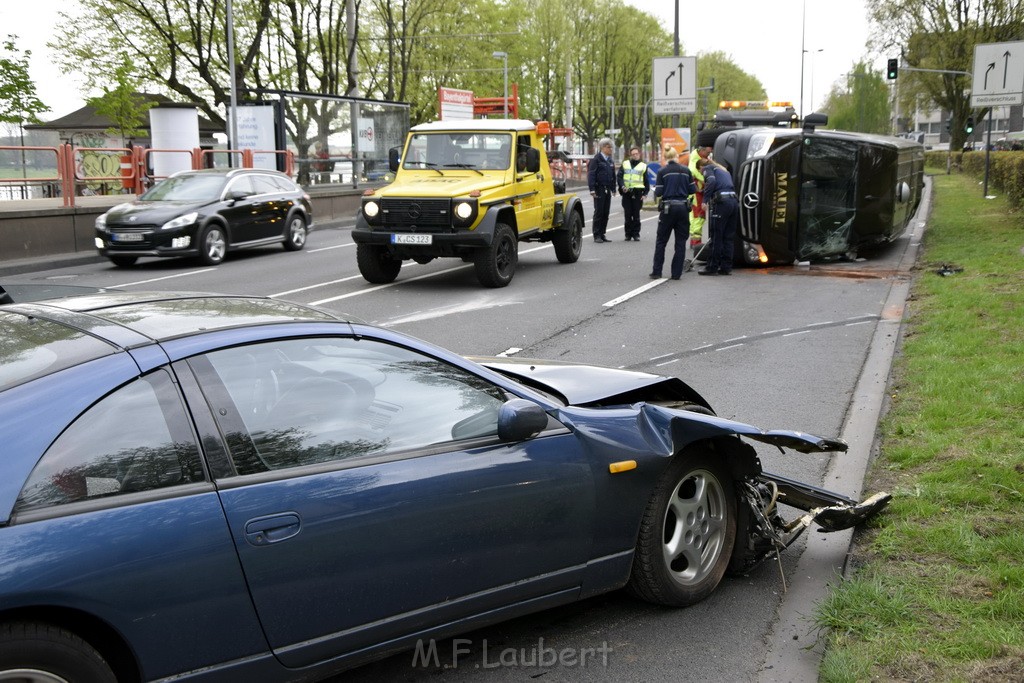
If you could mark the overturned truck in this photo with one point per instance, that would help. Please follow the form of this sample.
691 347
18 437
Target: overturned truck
811 195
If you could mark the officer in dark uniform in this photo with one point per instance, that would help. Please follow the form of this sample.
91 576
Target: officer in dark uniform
723 216
673 187
601 180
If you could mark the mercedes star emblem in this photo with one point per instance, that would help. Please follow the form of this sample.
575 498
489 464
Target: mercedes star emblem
750 200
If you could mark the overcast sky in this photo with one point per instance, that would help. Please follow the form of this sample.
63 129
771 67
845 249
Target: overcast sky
764 40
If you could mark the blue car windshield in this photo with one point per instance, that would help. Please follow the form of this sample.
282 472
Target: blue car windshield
186 188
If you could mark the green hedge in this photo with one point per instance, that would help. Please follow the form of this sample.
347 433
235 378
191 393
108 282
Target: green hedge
1005 174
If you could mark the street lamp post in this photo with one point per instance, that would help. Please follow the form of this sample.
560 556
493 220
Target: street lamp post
611 99
233 114
813 53
504 57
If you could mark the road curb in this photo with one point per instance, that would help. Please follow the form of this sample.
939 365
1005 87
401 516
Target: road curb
794 650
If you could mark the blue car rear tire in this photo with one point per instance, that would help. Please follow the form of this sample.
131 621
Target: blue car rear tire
42 653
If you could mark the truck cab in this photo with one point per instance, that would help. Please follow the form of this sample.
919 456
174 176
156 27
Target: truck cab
469 189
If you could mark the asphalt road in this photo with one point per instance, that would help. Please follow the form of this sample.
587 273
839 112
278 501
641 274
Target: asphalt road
778 348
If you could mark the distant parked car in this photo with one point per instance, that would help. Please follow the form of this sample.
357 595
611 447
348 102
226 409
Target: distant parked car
206 214
227 488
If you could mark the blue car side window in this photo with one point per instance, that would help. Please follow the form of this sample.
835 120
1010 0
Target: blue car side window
136 439
309 401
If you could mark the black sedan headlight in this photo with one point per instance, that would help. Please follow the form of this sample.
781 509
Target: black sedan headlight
181 221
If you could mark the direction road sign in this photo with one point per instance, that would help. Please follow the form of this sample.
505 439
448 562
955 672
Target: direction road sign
675 85
998 76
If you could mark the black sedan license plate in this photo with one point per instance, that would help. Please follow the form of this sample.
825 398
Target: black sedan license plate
126 237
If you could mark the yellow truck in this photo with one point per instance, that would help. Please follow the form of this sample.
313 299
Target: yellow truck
470 189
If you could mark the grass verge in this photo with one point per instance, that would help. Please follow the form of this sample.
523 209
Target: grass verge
938 593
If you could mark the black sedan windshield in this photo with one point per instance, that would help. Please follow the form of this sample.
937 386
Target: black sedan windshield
186 188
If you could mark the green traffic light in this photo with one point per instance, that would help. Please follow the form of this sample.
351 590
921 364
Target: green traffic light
893 69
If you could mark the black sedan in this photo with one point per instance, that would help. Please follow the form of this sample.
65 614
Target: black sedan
202 487
206 214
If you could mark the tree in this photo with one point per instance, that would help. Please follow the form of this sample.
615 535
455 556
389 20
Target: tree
941 35
18 101
861 103
122 104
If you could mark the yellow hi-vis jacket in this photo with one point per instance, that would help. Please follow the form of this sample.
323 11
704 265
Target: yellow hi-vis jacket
633 178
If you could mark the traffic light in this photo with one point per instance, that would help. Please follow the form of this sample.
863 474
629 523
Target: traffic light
893 69
969 126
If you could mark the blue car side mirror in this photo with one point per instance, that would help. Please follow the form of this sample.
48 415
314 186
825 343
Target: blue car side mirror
519 419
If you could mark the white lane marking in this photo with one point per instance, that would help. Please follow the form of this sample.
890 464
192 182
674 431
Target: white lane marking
319 284
781 329
827 322
398 282
668 362
735 339
336 246
793 334
861 322
448 310
166 277
726 348
510 351
377 288
635 292
418 277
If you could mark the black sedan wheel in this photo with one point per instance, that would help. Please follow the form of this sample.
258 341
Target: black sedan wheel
213 245
496 264
569 242
296 237
687 533
376 265
38 653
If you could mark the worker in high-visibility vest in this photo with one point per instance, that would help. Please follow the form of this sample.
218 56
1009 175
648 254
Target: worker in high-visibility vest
633 186
697 200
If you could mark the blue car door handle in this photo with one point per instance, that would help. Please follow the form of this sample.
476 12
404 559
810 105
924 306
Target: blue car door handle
272 529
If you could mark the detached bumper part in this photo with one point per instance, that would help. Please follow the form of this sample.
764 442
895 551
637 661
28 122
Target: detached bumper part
769 533
839 517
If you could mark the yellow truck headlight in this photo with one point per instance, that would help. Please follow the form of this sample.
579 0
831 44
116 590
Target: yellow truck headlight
463 211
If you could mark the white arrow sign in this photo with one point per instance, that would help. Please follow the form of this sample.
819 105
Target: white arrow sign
675 85
998 76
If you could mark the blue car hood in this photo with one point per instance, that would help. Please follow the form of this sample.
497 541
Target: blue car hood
579 384
590 386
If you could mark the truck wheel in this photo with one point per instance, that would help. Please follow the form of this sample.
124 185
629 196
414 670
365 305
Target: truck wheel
569 242
496 264
376 265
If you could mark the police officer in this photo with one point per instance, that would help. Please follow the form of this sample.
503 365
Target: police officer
601 180
673 186
633 186
723 216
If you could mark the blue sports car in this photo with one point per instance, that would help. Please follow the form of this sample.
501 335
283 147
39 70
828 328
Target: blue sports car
206 487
